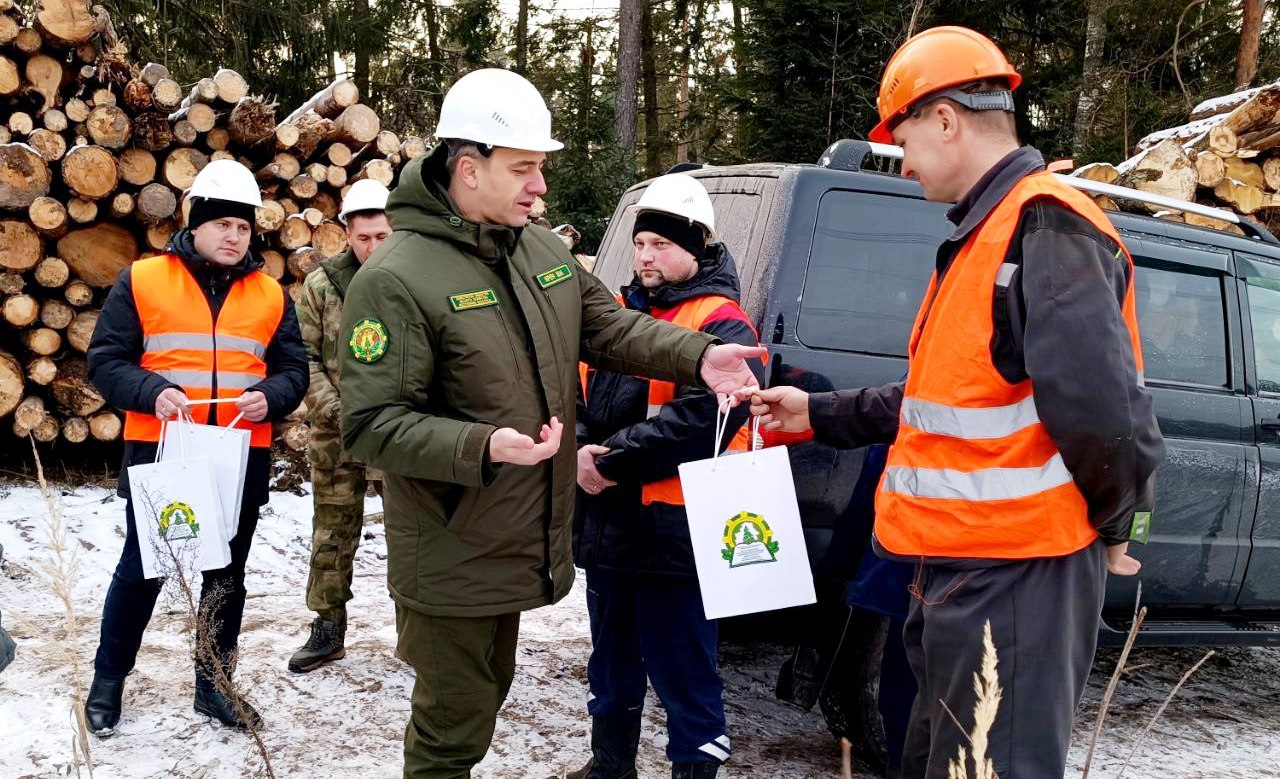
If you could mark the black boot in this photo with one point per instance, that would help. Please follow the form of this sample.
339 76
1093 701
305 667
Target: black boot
694 770
214 704
324 644
102 707
614 742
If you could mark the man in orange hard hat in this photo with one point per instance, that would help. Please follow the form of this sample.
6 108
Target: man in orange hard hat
1024 443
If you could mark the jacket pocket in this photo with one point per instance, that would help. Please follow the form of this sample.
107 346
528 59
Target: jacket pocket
463 511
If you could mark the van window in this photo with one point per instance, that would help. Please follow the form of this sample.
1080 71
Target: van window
869 266
1264 312
1182 319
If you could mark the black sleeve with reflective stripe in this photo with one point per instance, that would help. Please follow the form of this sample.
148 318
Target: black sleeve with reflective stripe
1079 357
115 351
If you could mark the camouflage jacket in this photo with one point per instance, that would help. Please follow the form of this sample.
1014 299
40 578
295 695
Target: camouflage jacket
320 317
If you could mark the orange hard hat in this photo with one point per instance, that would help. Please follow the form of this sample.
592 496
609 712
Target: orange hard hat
931 61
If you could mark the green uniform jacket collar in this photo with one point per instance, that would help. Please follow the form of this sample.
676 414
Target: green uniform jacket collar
341 269
421 204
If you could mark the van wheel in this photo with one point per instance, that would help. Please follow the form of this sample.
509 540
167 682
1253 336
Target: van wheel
849 698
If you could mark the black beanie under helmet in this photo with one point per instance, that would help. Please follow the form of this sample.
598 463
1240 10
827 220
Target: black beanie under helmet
684 233
207 209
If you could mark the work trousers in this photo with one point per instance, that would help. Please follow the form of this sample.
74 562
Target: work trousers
1044 623
652 629
337 522
464 668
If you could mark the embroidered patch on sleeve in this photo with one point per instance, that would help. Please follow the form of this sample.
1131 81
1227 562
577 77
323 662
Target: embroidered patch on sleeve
465 301
554 276
1140 530
369 340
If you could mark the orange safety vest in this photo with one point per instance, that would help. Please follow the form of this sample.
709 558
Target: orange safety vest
182 343
973 473
692 314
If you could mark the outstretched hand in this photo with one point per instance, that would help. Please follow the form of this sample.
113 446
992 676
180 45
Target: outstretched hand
725 370
508 445
782 408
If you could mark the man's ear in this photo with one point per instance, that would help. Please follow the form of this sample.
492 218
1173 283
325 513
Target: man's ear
948 119
468 171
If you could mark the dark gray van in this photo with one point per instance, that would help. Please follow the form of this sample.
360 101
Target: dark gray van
834 259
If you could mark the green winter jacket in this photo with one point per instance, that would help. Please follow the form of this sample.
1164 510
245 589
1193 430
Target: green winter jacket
456 329
320 320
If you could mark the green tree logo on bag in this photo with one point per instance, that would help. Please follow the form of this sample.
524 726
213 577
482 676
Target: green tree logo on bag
748 540
178 521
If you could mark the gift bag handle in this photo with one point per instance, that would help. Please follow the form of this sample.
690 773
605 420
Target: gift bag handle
211 401
722 427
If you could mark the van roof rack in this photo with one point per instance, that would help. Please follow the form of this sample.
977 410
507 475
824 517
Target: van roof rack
850 154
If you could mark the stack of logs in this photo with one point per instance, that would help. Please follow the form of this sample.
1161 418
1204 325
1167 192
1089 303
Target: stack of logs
1227 156
95 154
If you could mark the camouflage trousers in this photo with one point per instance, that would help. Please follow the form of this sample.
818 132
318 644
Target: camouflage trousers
338 494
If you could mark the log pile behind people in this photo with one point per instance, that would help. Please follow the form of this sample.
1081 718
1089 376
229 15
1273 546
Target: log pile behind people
95 154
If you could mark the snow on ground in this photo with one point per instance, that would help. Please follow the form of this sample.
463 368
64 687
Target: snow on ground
346 720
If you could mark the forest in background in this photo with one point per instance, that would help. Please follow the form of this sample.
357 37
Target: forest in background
638 86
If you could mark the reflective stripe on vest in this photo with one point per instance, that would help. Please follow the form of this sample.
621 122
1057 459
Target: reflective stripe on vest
972 472
692 314
182 343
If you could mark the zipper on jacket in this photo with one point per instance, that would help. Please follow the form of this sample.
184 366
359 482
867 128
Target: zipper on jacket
213 379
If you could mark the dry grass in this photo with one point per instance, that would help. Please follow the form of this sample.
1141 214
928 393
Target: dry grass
181 573
986 685
60 571
1139 614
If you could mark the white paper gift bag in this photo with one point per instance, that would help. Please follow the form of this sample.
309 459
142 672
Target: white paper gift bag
178 514
748 543
227 448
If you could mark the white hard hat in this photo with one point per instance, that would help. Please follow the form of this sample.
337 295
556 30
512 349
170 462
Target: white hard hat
681 195
497 108
364 195
226 180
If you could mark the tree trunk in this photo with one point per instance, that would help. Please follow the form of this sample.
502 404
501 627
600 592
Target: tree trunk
97 254
12 386
65 23
20 246
231 86
1250 37
682 86
1095 37
435 89
109 127
90 172
105 426
624 114
24 176
81 330
649 78
364 40
328 102
522 36
357 124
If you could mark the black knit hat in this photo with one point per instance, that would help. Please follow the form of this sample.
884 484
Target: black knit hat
207 209
683 233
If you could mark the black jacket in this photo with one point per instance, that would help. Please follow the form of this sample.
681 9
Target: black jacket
613 529
116 348
1059 324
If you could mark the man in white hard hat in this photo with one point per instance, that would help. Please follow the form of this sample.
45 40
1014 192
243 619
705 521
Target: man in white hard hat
464 334
338 482
200 322
632 535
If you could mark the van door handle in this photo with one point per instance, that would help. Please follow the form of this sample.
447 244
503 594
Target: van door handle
1270 424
